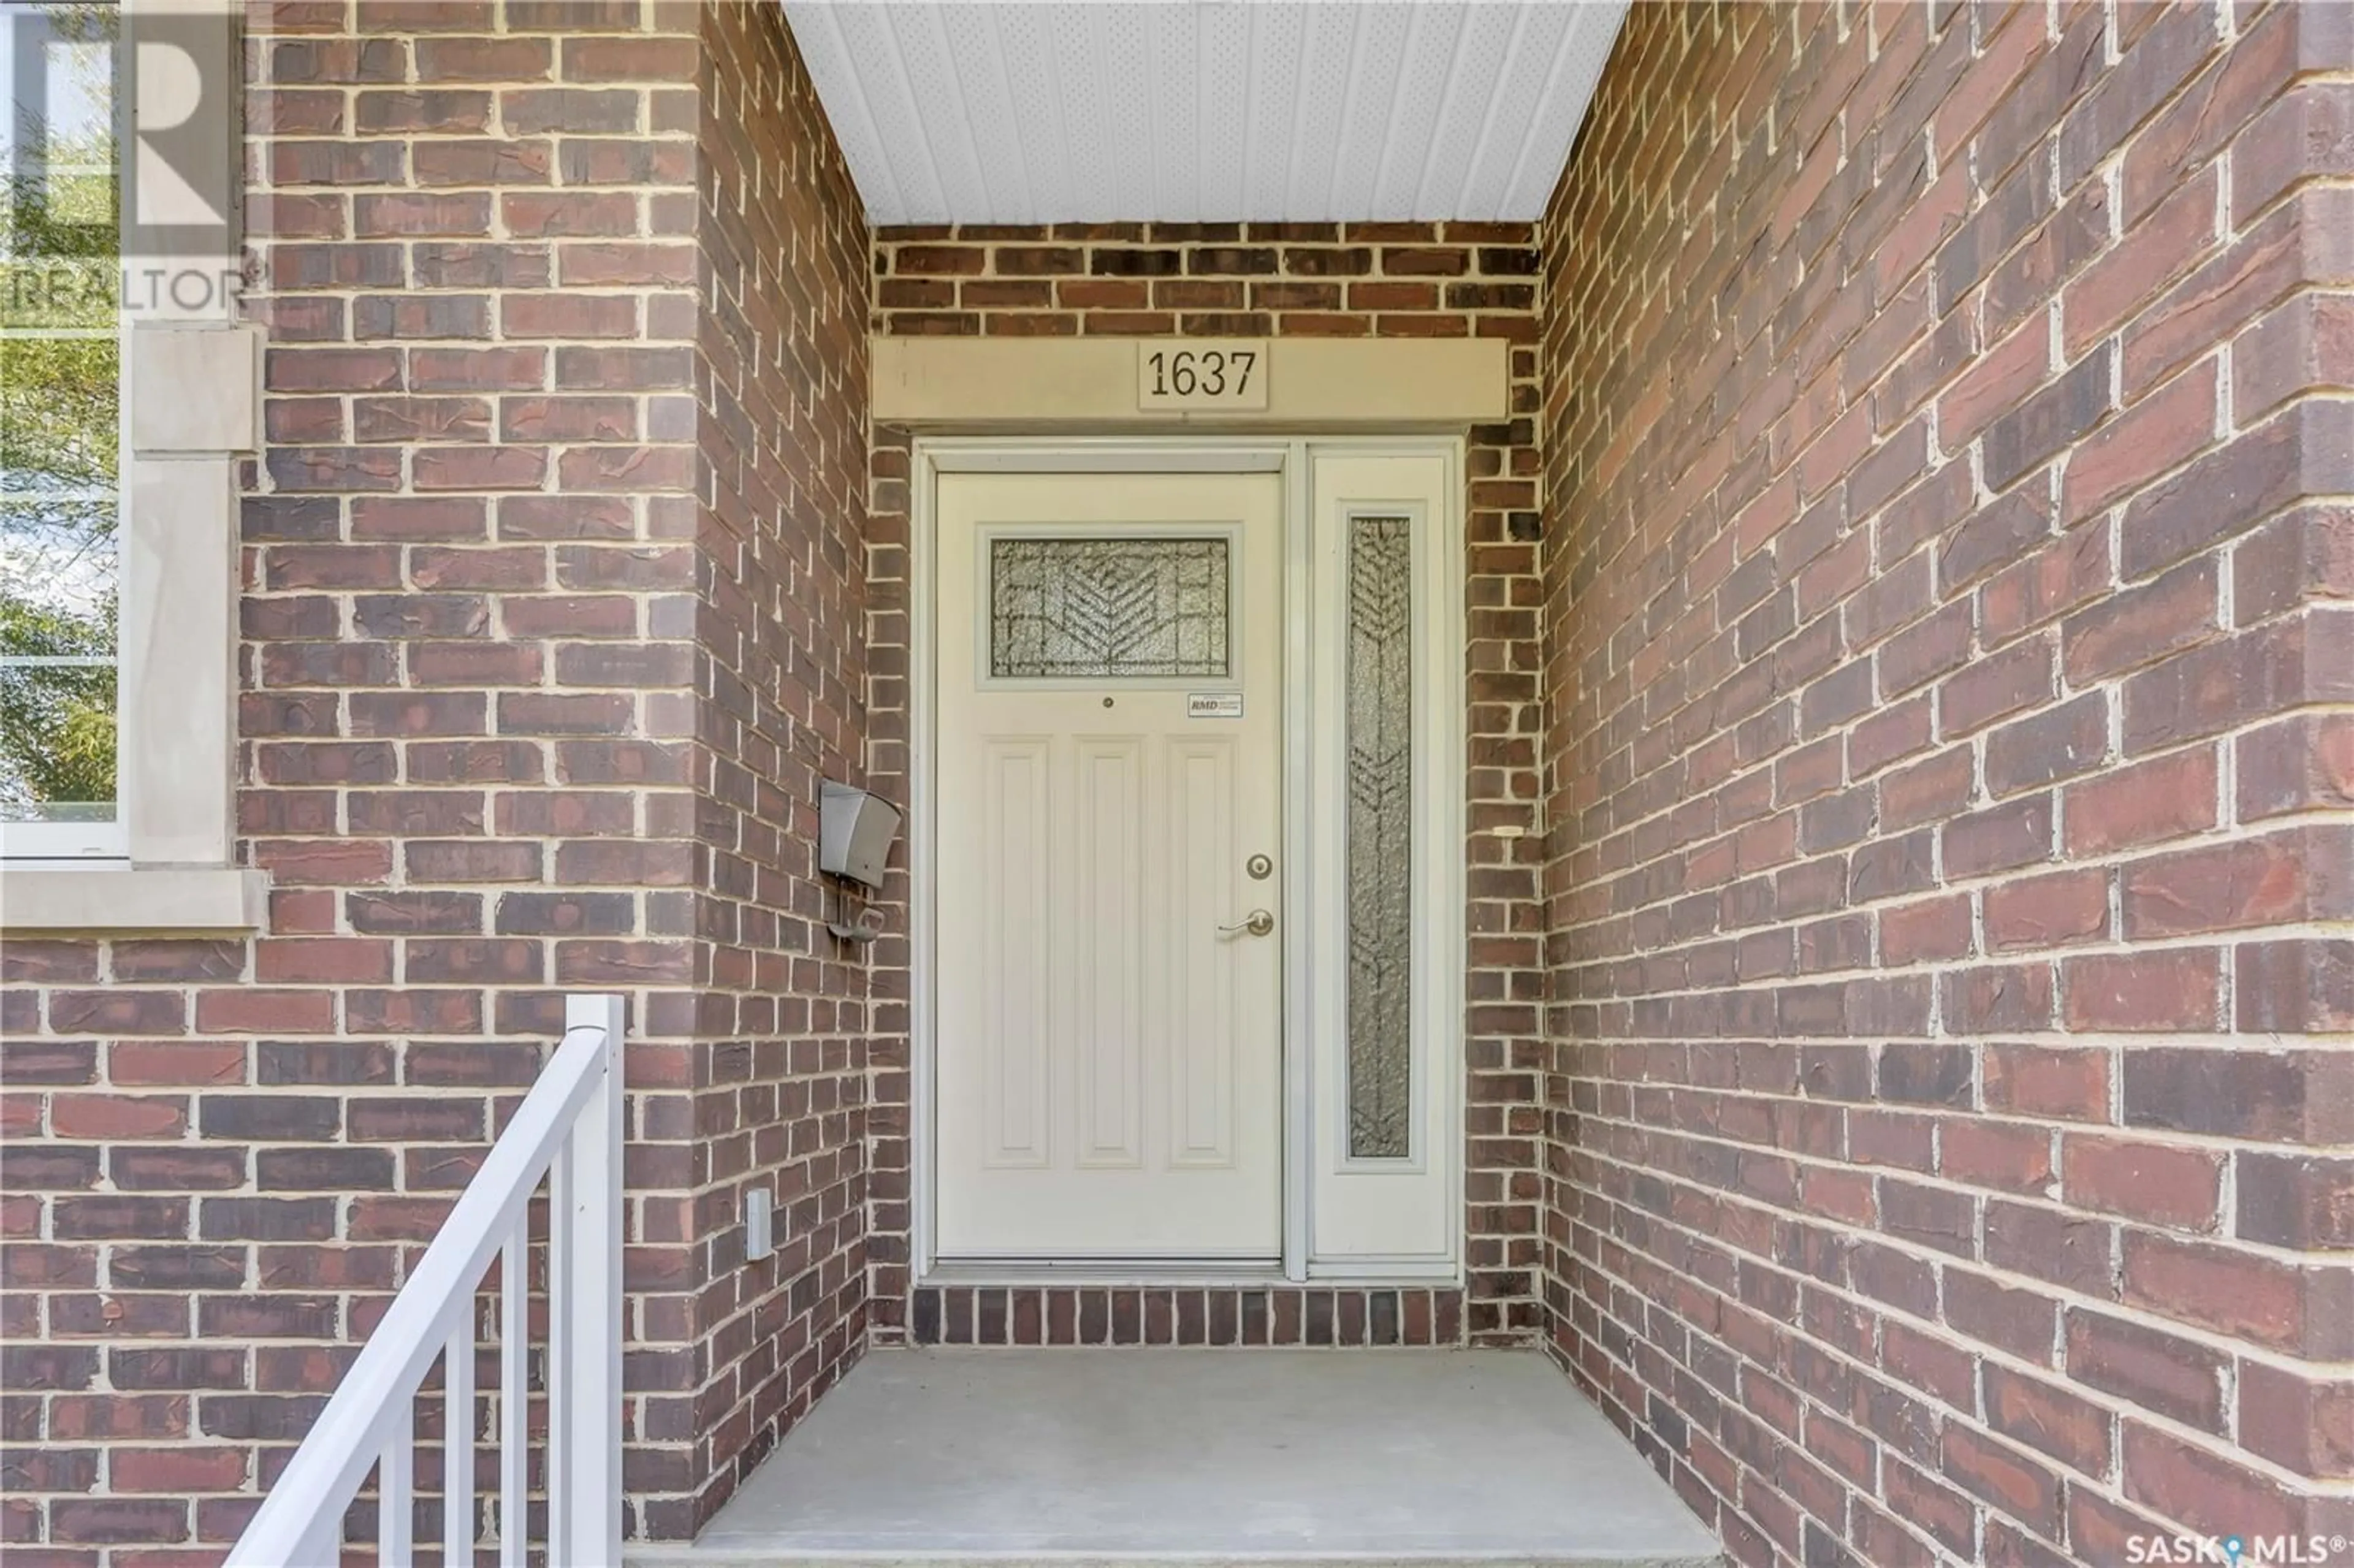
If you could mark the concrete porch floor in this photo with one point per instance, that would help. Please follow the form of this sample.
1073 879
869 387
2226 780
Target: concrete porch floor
1200 1457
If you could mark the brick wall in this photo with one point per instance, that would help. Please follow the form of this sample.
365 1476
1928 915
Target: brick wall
1952 1108
1912 1082
1357 279
781 624
539 665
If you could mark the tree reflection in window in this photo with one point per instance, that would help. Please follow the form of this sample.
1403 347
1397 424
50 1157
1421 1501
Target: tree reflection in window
59 380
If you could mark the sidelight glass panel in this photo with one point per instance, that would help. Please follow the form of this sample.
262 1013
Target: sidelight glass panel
1108 607
1379 676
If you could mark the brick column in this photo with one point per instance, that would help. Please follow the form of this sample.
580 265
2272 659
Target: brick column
550 613
471 578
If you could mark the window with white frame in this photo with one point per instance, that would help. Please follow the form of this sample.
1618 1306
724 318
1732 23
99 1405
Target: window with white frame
61 433
129 390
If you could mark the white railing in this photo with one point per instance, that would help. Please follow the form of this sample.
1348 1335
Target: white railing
567 1129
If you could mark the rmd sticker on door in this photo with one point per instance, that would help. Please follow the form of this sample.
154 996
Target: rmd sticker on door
1213 705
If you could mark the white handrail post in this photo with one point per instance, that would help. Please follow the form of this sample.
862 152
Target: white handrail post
585 1315
458 1448
515 1396
396 1487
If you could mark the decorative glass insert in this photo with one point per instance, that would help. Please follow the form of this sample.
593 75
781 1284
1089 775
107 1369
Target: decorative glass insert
59 393
1378 674
1108 607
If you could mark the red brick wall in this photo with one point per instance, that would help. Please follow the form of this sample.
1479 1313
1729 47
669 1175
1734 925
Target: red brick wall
1952 1112
1938 1137
540 665
1357 279
781 680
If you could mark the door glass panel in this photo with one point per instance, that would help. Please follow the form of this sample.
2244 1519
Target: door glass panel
1379 675
1108 607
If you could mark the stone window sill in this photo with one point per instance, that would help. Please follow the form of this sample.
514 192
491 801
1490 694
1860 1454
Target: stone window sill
125 898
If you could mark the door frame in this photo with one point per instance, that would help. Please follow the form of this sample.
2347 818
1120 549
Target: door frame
1443 970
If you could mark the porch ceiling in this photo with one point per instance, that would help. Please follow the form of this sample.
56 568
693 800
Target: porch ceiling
1204 110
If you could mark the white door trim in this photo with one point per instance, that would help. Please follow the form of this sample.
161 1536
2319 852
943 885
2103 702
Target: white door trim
1444 966
1402 1215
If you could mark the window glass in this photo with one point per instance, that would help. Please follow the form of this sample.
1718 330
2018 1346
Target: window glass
1378 674
1107 608
59 406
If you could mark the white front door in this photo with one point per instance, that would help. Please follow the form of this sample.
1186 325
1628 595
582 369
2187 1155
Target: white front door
1109 777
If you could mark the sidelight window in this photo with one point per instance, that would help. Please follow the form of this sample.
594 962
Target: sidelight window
1379 681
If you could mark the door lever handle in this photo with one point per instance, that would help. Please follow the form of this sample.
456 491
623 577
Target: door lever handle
1258 923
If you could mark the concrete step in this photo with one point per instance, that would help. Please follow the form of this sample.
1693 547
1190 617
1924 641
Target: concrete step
1202 1459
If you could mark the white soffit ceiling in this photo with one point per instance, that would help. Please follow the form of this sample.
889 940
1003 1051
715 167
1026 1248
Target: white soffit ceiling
1204 110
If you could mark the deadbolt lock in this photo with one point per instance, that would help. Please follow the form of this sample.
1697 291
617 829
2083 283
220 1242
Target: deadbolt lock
1259 867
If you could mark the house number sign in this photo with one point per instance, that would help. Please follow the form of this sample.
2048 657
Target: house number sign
1201 372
